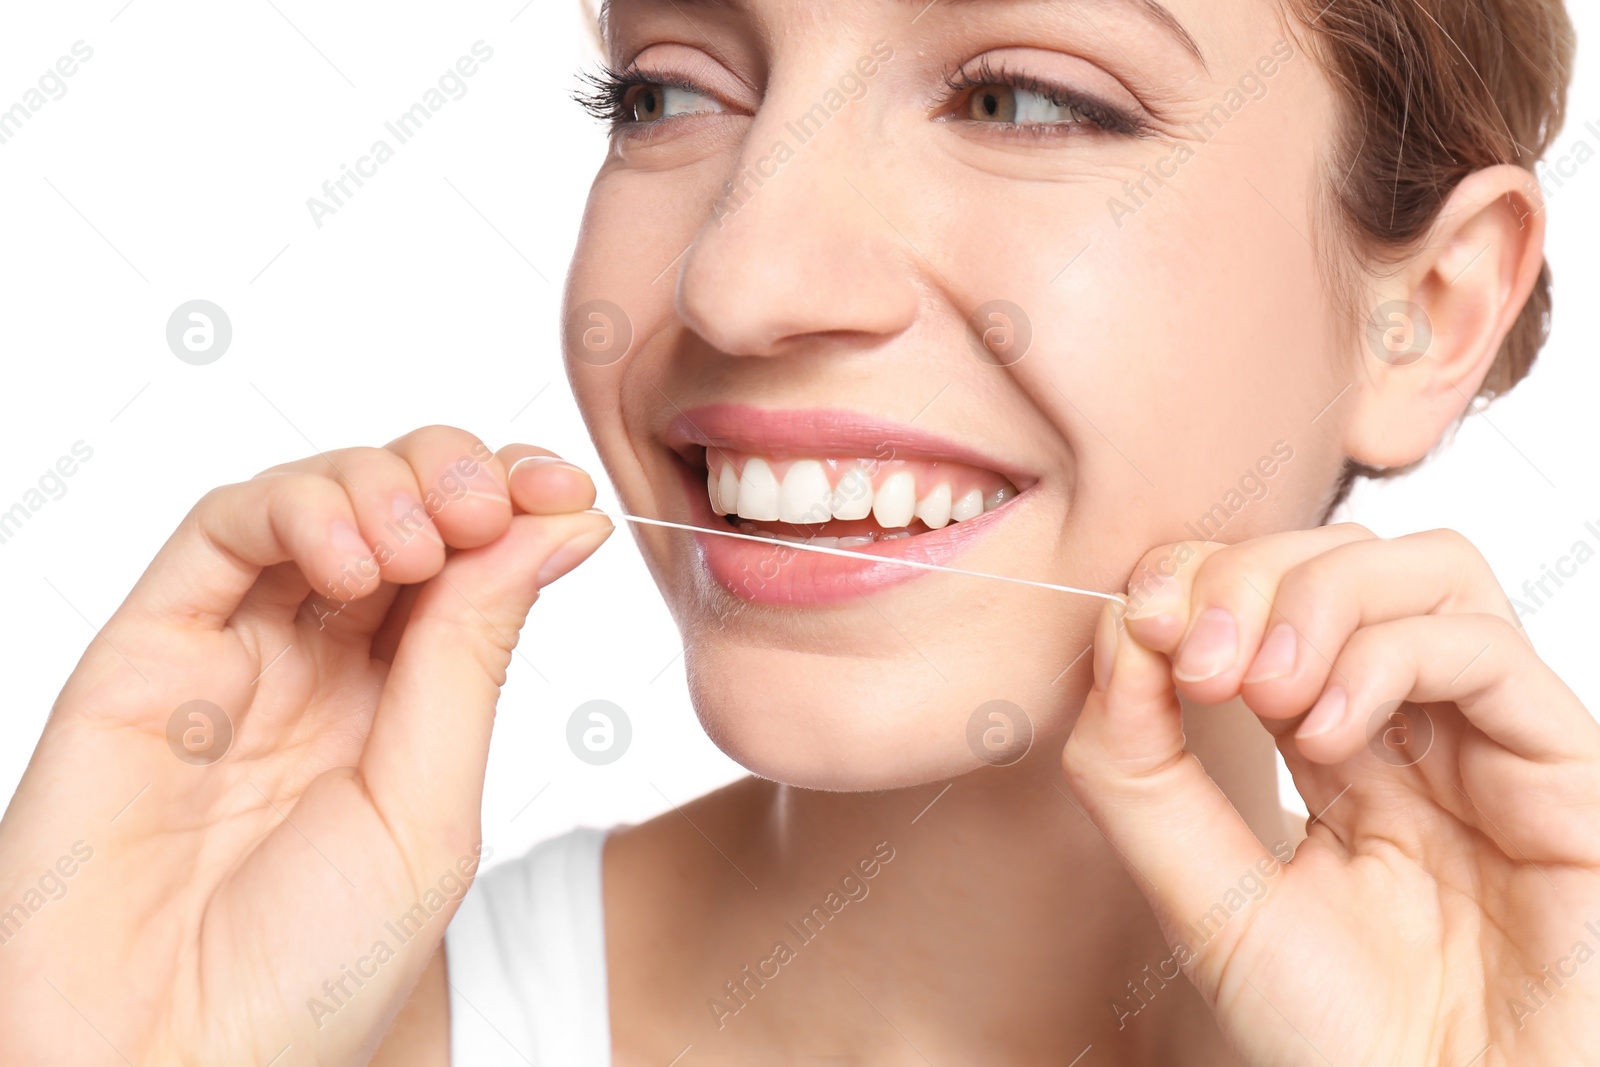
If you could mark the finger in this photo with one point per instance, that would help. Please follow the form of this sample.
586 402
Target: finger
203 571
1322 601
278 593
384 490
462 482
1481 663
1212 617
542 483
1176 831
425 757
281 596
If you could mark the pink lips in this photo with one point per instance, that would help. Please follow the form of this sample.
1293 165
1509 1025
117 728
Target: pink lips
772 575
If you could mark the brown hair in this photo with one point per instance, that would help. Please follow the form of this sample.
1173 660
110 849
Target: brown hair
1430 91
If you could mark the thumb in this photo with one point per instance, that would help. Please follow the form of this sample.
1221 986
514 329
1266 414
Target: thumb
425 756
1179 835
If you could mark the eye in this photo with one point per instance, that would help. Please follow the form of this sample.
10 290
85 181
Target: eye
1009 104
653 101
1020 102
632 98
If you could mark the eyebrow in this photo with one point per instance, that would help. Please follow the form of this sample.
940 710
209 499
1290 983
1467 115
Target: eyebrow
1153 10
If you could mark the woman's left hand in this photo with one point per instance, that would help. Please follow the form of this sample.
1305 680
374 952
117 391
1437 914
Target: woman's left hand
1445 907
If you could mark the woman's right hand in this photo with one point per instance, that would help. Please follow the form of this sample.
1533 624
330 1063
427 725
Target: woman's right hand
261 878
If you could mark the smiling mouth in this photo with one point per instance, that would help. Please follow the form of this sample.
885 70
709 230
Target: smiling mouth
835 479
847 501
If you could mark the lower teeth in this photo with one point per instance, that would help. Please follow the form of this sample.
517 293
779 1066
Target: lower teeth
853 541
998 497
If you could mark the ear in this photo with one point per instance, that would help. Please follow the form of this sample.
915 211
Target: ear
1436 324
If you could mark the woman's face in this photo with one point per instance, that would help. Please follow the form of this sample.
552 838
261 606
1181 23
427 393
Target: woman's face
1017 286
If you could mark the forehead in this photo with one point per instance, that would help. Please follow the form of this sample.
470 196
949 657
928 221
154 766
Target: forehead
1160 17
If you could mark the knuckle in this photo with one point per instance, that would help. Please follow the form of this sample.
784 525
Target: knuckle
452 439
1306 583
323 464
436 431
1452 542
1231 568
1076 763
301 486
1471 576
217 497
1356 530
294 500
1320 577
1168 561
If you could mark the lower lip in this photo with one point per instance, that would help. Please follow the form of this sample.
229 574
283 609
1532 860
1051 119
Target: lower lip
773 574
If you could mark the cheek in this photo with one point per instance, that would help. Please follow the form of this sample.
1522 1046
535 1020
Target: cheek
638 222
1198 317
619 294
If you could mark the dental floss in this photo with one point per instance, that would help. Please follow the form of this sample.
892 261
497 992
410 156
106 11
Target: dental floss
800 546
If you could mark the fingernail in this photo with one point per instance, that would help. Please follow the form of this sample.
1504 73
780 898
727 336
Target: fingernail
1325 714
1211 648
347 540
541 461
1105 650
1156 595
1276 658
570 554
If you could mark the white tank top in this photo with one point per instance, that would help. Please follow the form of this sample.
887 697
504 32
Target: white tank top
526 959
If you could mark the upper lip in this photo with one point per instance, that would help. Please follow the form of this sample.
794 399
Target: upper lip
820 432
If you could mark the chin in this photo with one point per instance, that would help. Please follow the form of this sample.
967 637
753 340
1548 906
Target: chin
849 673
877 717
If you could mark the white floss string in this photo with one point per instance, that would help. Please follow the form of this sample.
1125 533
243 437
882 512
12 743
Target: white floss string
800 546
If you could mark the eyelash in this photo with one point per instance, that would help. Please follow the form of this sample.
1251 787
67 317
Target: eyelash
606 98
1103 116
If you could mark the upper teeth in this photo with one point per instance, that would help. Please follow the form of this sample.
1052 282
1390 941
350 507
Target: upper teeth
805 494
758 490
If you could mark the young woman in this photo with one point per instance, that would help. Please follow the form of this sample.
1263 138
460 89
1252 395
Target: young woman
1114 294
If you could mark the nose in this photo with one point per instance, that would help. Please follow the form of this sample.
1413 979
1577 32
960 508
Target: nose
798 248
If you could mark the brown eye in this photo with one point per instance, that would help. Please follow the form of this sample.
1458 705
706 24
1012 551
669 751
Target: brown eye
652 101
996 103
647 105
992 103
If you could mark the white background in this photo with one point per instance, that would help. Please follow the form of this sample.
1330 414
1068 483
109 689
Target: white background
177 166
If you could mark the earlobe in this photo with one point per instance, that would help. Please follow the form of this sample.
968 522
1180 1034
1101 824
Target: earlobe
1437 323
